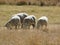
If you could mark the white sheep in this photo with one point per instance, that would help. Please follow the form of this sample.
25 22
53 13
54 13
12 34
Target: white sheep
28 21
14 21
42 22
22 16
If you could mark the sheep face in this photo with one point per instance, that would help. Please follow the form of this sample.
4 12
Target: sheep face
13 22
28 21
8 26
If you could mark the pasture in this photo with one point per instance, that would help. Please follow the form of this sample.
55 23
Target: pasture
30 37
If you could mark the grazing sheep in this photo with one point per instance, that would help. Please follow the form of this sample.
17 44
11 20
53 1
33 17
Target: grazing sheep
28 21
22 16
42 21
14 21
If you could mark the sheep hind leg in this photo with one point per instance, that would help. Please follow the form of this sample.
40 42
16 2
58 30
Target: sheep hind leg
21 25
38 26
45 29
16 27
33 26
24 26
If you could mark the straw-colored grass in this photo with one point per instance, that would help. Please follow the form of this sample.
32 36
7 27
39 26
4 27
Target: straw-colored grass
33 36
30 37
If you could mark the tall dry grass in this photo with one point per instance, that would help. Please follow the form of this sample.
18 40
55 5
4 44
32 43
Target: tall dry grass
30 37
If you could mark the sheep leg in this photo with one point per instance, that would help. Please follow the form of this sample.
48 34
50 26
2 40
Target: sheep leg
33 26
16 27
38 25
21 25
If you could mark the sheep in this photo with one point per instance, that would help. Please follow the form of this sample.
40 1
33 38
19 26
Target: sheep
42 21
22 16
14 21
28 21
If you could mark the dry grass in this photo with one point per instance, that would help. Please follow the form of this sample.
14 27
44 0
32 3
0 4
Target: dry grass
30 37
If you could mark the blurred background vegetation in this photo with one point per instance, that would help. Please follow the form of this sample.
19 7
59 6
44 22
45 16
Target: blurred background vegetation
32 2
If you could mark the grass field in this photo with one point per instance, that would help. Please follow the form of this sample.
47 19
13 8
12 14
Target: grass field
30 37
52 12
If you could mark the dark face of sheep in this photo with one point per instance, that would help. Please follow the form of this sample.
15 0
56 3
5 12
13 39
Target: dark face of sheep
28 22
13 22
8 25
25 23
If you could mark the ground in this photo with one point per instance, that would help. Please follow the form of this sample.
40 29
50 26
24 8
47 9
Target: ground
33 36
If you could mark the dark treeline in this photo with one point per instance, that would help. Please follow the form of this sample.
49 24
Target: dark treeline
32 2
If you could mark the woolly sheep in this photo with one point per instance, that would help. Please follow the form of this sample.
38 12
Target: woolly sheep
14 21
42 21
28 21
22 16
